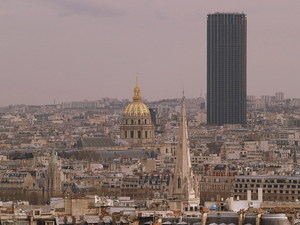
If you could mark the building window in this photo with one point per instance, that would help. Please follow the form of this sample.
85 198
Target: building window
131 134
131 121
139 122
179 182
139 134
125 134
146 134
49 223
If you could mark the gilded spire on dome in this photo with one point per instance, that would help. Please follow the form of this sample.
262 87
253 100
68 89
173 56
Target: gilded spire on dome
137 107
137 92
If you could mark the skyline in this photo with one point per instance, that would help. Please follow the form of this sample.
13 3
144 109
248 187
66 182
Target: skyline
71 50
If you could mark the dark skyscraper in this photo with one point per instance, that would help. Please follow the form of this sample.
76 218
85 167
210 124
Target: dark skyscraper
226 68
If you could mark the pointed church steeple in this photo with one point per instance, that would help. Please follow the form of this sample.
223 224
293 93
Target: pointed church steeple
52 158
185 188
53 184
183 160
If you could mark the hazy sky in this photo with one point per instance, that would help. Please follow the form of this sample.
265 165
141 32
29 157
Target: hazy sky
88 49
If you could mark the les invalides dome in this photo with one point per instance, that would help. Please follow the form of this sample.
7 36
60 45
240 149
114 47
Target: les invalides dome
137 127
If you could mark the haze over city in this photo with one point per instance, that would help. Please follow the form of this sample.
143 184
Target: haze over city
149 112
73 49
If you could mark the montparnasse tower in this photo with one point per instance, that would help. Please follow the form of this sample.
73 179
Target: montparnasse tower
137 127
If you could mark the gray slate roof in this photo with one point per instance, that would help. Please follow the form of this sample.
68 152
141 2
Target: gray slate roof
229 218
95 142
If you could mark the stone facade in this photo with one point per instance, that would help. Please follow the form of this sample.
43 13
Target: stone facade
217 183
275 187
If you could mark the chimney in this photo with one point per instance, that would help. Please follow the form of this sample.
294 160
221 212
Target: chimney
241 217
258 216
260 195
204 218
73 220
204 212
249 195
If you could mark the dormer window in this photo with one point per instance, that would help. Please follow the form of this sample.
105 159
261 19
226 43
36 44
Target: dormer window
37 212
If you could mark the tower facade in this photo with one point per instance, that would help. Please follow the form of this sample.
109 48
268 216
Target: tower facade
185 189
226 68
136 126
53 180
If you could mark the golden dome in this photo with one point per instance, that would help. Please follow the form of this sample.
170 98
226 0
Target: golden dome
137 107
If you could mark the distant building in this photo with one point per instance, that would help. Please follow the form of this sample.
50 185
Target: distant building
279 96
217 183
266 98
16 186
275 187
226 68
153 113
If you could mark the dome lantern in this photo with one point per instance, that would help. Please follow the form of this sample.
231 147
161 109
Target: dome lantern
137 92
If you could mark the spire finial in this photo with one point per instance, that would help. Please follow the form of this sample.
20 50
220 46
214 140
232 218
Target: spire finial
183 97
137 90
136 81
53 157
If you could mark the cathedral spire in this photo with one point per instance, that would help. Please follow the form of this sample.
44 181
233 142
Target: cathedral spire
137 92
53 158
53 185
184 183
183 161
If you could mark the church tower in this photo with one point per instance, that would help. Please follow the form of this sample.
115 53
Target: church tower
184 186
53 185
137 127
